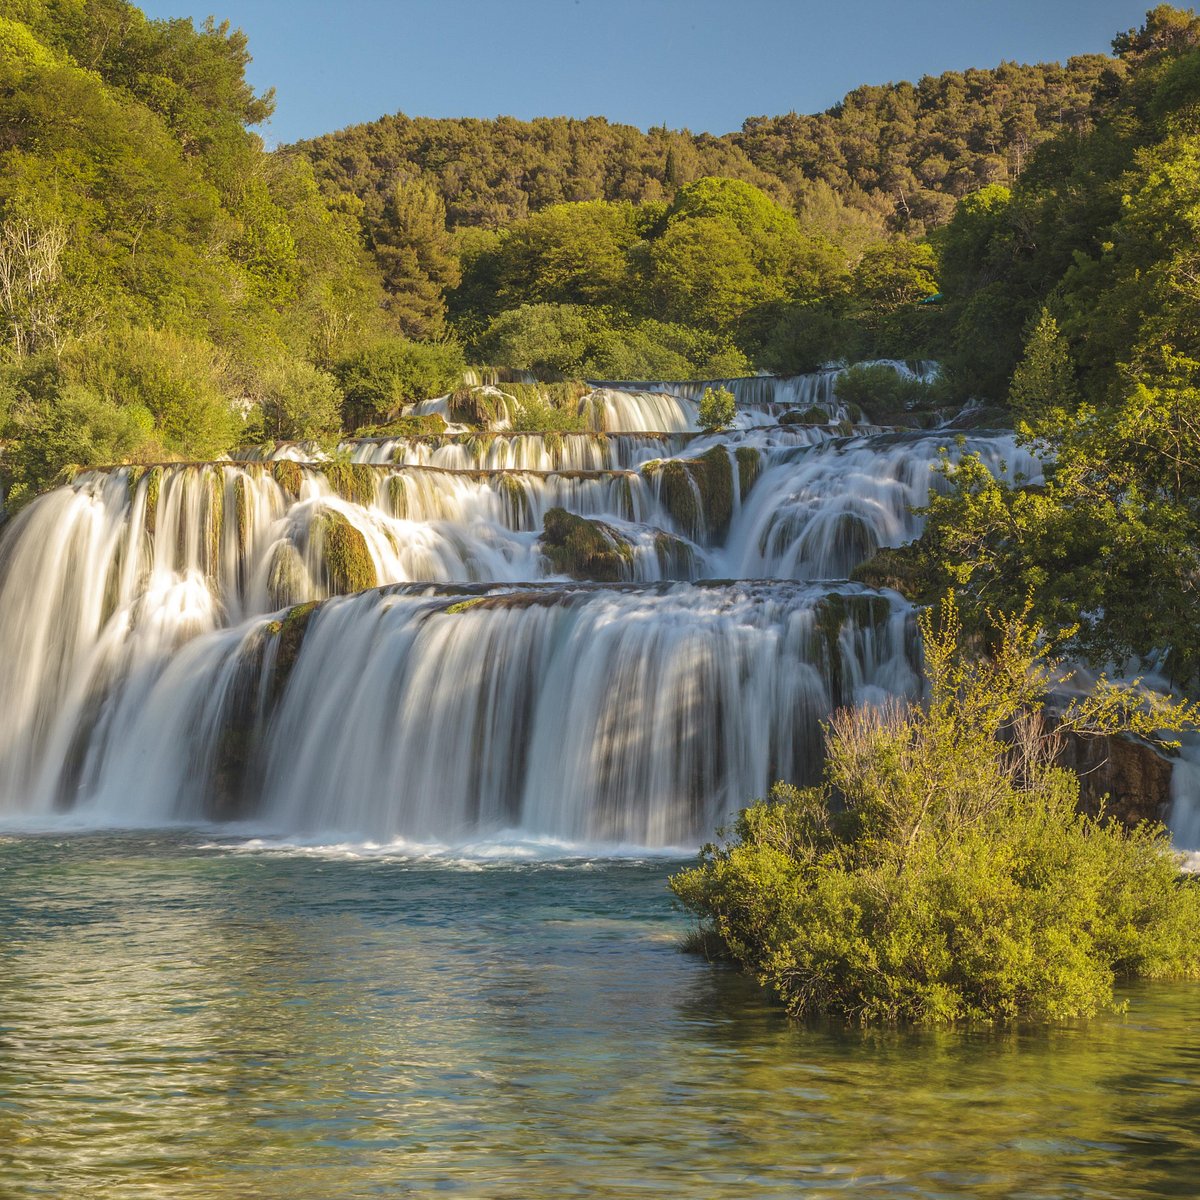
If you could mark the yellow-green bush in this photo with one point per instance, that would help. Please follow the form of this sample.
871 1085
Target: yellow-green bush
941 871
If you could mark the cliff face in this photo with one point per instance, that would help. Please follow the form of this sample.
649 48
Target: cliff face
1135 776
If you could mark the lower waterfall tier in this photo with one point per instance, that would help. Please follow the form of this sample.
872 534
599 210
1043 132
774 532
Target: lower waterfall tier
630 715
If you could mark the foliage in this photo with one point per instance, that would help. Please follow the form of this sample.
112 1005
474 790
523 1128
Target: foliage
941 871
380 378
573 341
298 401
1110 545
152 248
416 256
898 152
883 392
718 407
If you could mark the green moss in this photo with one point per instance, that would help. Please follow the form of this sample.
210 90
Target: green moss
241 510
134 476
515 493
585 549
215 518
899 569
397 495
676 558
832 613
810 416
289 633
289 475
697 492
347 560
425 425
153 489
463 606
287 579
354 482
749 463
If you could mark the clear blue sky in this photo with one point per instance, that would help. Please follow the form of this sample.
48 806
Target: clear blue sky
699 64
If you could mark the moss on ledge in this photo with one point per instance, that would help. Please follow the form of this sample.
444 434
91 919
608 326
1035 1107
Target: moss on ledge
895 568
348 565
354 482
585 549
697 492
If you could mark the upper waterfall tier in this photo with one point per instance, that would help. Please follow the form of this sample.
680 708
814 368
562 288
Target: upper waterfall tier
762 397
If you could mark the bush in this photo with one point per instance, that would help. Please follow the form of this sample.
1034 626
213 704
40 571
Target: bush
577 341
718 407
880 390
379 379
76 427
941 871
298 401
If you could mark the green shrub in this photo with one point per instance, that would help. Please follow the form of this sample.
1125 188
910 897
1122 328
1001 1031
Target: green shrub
879 390
379 379
577 341
74 427
718 407
941 871
298 401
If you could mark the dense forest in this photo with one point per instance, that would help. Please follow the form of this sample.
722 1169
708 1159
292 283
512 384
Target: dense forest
900 153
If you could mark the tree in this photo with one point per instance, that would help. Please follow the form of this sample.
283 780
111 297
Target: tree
1045 377
416 256
31 302
718 407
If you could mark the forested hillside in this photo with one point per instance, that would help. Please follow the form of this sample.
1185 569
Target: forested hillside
1073 296
901 152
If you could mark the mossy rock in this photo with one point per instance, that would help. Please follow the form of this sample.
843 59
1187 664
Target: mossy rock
354 482
676 558
895 568
215 519
289 634
241 509
416 425
514 492
463 606
289 475
287 577
831 614
697 492
348 565
397 495
585 549
479 406
810 416
153 491
749 461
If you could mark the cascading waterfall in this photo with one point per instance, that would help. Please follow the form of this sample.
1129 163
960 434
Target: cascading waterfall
161 657
627 716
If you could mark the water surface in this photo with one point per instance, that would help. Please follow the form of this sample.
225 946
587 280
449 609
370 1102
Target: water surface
183 1017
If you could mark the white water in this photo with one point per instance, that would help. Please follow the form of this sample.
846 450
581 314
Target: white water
137 663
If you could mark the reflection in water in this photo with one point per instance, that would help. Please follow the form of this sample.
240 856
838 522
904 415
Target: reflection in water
181 1021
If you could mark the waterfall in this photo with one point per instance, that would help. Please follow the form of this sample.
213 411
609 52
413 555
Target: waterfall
592 714
446 636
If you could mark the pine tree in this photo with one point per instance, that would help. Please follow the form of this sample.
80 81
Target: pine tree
1045 376
417 258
